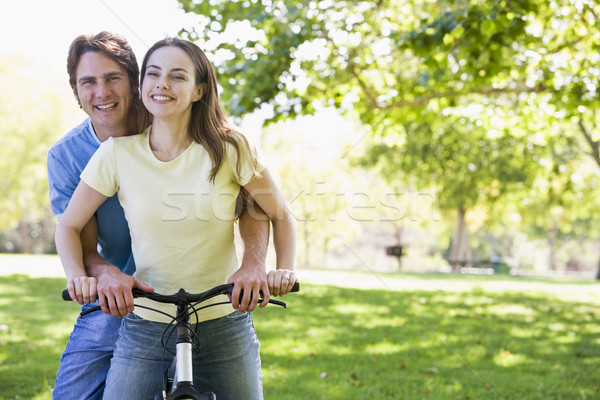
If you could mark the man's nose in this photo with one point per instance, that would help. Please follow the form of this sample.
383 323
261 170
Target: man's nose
104 89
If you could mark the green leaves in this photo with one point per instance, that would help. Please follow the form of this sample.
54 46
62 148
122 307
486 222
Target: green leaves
32 112
414 71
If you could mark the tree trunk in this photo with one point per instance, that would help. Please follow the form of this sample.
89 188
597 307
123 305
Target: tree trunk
595 154
598 271
399 230
552 247
460 252
306 237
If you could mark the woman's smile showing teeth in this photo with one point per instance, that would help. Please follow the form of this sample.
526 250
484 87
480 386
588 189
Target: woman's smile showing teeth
162 98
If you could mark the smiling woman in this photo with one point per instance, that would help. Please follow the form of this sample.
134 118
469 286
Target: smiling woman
169 89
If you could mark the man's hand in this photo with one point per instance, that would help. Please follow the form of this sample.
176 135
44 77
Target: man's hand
252 281
82 289
114 291
113 286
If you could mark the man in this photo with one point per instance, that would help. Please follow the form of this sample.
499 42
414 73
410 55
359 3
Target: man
104 76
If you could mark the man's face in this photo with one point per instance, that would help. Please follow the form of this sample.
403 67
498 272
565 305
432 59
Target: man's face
105 94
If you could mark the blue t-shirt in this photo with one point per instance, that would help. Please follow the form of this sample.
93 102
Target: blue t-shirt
66 160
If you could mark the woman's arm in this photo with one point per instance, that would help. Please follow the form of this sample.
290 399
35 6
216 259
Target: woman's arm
268 196
82 206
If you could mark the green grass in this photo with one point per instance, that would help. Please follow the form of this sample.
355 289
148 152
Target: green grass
35 328
342 343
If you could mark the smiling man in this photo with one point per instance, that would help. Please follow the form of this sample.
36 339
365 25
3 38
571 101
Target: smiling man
104 76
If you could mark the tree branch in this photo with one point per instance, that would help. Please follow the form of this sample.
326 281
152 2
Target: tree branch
594 145
419 101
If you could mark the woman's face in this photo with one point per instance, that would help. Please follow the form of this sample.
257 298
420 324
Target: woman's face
169 86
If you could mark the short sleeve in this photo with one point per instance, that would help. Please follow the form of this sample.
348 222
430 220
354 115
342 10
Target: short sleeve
101 171
61 184
247 168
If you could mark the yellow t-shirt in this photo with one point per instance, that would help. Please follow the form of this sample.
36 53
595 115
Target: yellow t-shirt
181 223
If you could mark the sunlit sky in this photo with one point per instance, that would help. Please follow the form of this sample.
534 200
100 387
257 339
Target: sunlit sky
42 30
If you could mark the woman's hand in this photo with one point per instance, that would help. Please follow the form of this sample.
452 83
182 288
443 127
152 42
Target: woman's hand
281 281
82 289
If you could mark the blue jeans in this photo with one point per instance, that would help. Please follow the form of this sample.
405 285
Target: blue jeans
85 362
227 363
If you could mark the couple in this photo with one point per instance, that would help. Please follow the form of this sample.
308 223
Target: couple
177 182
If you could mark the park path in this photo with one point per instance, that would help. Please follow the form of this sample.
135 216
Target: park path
37 266
581 290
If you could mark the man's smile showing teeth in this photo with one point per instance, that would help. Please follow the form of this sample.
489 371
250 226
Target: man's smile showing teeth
106 106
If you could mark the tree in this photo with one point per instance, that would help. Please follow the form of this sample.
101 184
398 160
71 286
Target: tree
387 62
316 191
468 160
32 111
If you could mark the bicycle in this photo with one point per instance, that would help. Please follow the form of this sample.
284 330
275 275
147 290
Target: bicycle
178 382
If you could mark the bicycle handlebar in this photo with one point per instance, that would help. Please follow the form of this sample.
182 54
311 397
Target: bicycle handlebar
185 297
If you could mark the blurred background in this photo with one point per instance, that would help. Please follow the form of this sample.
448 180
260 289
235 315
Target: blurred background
407 136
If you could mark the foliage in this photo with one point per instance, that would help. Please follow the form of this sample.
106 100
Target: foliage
346 343
413 72
32 112
384 56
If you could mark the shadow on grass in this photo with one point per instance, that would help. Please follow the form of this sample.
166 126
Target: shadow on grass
335 343
36 324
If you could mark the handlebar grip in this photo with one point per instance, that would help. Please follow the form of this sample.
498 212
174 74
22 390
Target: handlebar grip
296 287
66 296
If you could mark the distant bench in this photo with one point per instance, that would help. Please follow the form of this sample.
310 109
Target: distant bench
479 266
470 263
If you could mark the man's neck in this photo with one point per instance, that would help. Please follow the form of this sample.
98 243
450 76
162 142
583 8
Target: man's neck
103 133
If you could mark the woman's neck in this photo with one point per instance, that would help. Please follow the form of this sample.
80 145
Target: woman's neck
168 140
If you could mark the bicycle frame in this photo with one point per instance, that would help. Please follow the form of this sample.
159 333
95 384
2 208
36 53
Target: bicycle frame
183 387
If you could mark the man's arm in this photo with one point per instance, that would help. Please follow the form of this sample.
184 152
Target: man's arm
254 227
113 286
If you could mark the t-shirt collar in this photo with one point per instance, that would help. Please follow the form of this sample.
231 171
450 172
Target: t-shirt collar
93 132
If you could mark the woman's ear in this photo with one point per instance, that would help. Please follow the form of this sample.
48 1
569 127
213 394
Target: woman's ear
200 89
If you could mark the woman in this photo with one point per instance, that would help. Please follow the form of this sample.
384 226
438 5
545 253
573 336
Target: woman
178 183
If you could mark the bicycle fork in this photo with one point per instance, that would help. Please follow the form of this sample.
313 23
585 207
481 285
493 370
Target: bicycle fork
183 380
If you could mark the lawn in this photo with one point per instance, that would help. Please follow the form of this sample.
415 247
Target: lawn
345 343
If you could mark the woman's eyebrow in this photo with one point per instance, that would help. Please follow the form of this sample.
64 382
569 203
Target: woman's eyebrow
172 69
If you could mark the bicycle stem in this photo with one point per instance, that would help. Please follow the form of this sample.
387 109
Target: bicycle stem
184 344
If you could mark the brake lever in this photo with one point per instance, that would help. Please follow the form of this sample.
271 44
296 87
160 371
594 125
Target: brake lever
91 310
